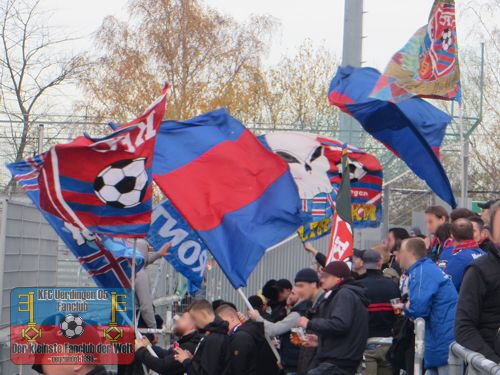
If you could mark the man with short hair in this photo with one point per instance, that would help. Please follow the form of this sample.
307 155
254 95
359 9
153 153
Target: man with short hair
460 213
245 340
485 210
481 234
393 241
433 297
380 290
454 260
358 267
209 357
165 363
478 311
341 324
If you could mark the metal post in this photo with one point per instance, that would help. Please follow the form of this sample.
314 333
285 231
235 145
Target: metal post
419 346
349 128
40 138
385 209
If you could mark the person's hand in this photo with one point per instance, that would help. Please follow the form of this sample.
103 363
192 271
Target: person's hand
253 314
310 248
164 249
141 343
241 317
181 355
311 341
303 322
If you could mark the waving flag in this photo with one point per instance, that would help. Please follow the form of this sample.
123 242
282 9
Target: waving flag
341 240
237 195
104 185
108 260
427 66
315 164
413 130
187 253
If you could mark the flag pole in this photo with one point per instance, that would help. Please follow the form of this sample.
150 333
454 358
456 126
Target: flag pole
249 305
136 320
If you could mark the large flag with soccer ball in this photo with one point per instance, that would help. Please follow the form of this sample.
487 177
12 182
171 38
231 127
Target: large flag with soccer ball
103 185
341 240
107 260
427 66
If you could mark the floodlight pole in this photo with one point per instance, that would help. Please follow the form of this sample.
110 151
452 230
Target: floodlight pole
349 128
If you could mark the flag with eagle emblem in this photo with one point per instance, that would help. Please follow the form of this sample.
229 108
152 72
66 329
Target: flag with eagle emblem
427 66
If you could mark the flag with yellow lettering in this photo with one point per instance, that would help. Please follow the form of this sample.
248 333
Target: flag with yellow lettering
315 164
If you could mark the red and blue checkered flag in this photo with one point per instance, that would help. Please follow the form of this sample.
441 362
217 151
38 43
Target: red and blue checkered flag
103 185
108 260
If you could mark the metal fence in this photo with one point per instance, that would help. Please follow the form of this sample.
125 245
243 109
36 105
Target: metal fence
27 258
475 363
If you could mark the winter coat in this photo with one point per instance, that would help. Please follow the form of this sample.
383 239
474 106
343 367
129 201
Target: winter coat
380 290
307 356
460 257
433 297
209 357
165 363
342 325
477 321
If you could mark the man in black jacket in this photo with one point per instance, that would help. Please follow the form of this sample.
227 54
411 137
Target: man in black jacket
209 356
477 320
380 290
246 345
166 364
341 324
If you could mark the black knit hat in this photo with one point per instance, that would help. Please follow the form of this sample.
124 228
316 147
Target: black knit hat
307 275
338 268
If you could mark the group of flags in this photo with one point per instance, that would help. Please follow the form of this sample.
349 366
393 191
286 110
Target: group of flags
233 194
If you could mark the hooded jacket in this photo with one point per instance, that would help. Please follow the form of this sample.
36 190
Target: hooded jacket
342 325
478 311
379 291
209 357
246 344
432 296
165 363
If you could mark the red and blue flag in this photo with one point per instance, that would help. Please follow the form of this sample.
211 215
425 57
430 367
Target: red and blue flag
107 260
238 195
413 130
104 185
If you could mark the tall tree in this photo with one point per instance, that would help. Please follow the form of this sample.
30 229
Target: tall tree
29 68
210 59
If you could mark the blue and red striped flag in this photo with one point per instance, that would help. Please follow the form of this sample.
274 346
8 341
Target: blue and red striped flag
413 130
104 185
232 190
107 260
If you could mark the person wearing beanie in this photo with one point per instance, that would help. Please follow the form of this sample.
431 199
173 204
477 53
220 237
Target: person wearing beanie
380 290
340 326
307 288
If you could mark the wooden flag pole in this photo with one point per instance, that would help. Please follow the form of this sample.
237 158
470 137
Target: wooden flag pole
249 305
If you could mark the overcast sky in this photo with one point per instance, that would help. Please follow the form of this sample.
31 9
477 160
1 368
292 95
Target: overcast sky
387 23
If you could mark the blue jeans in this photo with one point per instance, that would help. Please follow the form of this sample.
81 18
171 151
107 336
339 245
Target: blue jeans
329 369
441 370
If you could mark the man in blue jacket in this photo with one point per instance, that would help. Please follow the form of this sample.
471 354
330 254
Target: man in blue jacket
464 251
433 297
